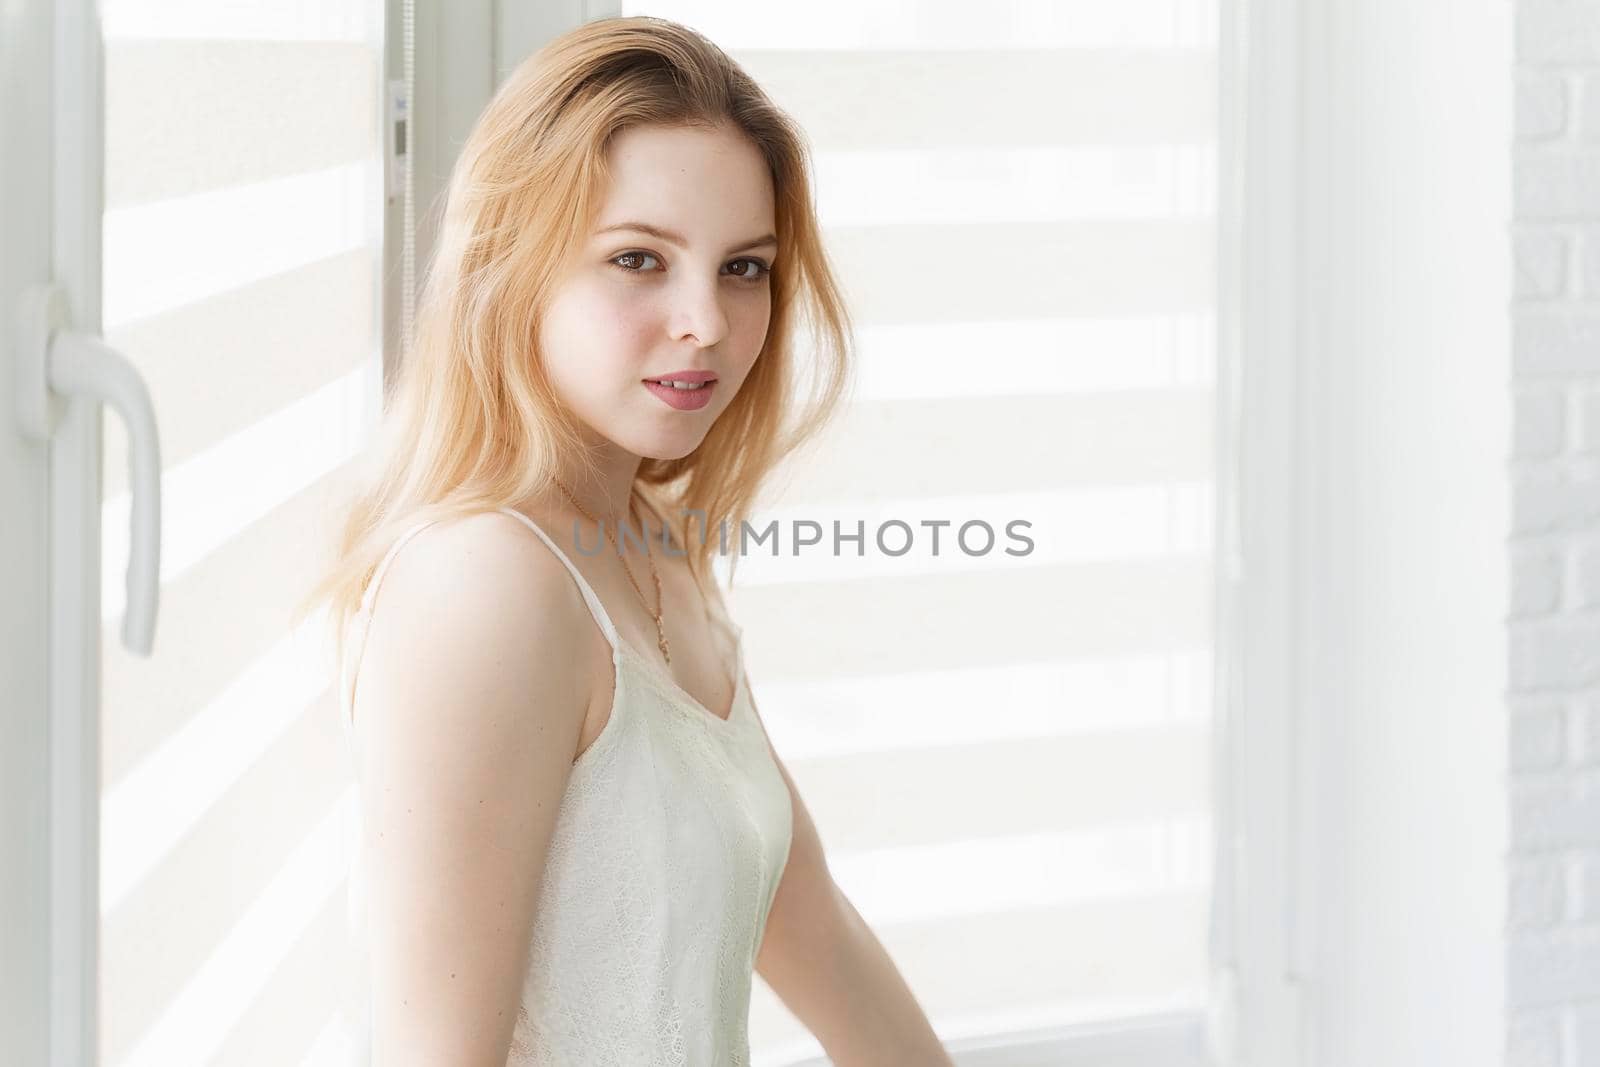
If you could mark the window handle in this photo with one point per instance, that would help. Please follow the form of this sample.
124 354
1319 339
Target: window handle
55 364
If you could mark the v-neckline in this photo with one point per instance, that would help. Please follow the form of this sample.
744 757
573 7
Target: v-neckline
667 682
663 681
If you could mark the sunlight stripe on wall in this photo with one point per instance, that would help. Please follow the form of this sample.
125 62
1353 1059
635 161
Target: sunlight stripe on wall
332 1047
217 620
161 798
198 1020
171 253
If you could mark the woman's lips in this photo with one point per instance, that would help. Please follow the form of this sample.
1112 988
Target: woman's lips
682 399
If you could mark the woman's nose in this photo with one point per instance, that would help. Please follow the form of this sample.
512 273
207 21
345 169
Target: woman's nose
698 314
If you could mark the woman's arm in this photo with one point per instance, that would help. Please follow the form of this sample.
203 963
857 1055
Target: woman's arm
461 777
830 970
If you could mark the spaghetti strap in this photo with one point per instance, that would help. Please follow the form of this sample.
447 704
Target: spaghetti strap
357 627
388 557
595 607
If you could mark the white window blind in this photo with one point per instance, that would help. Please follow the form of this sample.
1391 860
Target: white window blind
242 249
1007 757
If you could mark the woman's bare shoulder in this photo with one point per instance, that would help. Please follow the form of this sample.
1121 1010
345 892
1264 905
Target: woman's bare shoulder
476 603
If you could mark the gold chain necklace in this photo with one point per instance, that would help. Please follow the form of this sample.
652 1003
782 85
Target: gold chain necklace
661 633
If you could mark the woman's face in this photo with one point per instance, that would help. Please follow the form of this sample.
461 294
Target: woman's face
695 297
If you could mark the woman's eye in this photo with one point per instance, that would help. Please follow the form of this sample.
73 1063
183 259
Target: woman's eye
755 269
632 255
760 271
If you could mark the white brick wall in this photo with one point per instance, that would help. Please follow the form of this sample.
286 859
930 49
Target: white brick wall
1553 941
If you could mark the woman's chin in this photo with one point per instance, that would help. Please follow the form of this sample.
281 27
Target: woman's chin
664 447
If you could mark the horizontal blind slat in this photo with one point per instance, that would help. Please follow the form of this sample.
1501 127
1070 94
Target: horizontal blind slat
218 619
1034 184
284 1024
1004 271
247 20
1005 444
883 713
1017 970
210 498
1018 616
187 116
166 254
922 796
281 339
203 990
899 884
948 99
845 25
1045 355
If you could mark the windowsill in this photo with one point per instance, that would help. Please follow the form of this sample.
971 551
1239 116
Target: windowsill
1174 1040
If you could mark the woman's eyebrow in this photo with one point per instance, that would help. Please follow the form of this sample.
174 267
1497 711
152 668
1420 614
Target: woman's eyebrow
678 238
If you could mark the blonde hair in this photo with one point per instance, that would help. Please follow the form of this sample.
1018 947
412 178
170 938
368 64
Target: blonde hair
471 421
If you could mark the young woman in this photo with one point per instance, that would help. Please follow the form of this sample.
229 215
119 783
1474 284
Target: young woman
578 844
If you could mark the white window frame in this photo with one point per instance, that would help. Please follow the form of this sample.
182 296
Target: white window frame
50 118
1267 509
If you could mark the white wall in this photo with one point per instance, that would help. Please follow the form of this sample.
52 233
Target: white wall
1405 425
1553 975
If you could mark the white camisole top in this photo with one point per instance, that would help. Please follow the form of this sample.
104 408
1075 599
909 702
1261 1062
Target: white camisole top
669 843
